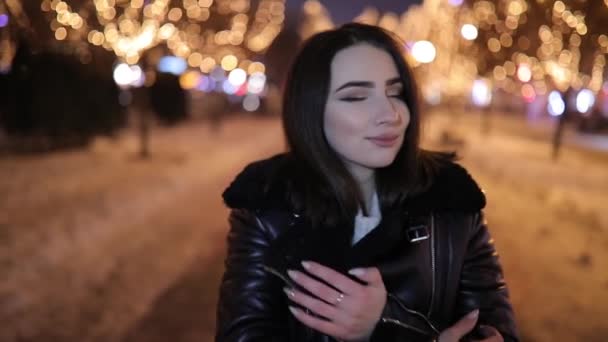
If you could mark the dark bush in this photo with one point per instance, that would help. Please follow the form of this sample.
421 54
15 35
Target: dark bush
52 101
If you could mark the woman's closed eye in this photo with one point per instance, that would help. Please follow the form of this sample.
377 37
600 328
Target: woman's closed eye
396 93
353 98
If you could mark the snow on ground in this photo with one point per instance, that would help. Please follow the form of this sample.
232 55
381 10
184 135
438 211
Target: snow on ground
549 220
89 238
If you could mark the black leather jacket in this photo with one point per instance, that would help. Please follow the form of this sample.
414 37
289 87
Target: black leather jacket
435 254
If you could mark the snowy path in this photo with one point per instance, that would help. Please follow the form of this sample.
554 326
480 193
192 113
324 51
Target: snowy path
97 246
550 223
90 238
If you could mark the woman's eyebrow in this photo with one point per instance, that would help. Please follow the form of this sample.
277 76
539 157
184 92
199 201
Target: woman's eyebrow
364 84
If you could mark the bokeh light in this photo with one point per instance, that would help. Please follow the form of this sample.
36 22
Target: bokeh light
481 94
3 20
173 65
424 51
237 77
585 99
556 105
251 102
469 32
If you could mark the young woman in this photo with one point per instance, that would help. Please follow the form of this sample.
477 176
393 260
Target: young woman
356 233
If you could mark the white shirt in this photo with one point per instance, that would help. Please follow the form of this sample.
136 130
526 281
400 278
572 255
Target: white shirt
365 224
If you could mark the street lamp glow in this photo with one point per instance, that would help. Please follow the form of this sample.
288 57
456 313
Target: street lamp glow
556 105
524 73
172 64
237 77
424 51
585 101
469 32
481 94
257 82
122 75
125 75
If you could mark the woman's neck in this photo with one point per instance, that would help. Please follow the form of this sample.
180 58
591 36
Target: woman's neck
367 184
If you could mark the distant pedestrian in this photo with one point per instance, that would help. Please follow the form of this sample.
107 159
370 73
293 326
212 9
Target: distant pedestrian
561 123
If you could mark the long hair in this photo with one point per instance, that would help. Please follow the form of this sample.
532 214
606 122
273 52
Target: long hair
320 185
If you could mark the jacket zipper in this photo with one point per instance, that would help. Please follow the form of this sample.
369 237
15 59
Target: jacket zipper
278 274
413 312
404 325
432 265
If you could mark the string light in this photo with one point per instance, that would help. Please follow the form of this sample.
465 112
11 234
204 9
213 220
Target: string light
129 28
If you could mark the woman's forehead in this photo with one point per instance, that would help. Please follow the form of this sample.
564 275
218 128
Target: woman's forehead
362 62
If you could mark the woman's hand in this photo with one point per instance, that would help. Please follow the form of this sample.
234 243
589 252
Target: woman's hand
465 325
352 310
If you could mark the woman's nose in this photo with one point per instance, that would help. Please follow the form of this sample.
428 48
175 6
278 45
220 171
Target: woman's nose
387 111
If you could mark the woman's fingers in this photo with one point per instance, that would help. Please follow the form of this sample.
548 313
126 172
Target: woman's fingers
370 275
319 307
317 288
330 276
460 328
491 334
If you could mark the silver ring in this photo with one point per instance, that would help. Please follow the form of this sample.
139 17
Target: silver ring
339 298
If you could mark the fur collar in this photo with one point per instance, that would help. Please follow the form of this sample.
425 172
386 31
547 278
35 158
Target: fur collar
453 189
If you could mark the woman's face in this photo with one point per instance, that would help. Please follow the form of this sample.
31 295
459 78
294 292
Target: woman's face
365 118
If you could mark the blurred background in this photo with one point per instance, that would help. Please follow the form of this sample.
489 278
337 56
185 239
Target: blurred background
121 122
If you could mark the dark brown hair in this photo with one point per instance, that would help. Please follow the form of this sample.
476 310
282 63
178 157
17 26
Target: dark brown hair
320 185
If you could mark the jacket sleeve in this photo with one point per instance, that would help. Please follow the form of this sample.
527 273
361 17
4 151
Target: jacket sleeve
251 303
482 284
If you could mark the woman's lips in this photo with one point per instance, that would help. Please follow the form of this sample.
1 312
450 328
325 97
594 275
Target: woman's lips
384 140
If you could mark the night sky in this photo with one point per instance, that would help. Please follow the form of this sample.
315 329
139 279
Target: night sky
344 10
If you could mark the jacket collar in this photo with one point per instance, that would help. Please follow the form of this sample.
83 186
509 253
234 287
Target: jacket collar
255 188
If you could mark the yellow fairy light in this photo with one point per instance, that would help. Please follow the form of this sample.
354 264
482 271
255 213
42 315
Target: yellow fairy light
189 80
559 7
494 45
45 6
175 14
109 14
132 58
229 62
565 57
499 73
581 29
207 64
61 33
515 8
204 14
193 12
195 59
205 3
137 3
545 33
506 40
575 40
511 22
61 7
235 38
76 22
510 68
256 67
